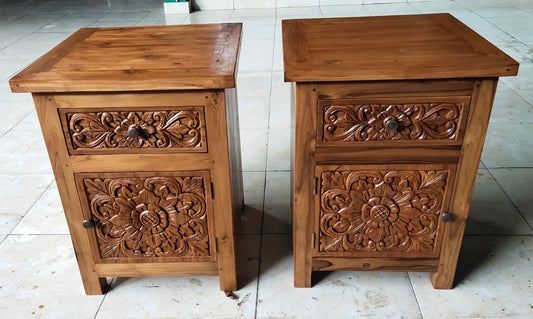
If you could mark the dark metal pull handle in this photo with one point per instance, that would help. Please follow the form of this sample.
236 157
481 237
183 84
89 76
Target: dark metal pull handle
135 131
87 224
446 217
391 124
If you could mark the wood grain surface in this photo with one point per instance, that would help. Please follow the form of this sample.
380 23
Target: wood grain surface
137 59
402 47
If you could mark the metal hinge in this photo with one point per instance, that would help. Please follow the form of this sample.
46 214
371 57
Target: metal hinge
212 190
313 240
315 187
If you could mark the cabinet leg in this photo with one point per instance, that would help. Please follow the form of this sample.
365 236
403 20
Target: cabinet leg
302 273
441 280
228 280
95 285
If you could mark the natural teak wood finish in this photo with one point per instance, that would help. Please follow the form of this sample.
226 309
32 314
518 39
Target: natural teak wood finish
142 131
390 119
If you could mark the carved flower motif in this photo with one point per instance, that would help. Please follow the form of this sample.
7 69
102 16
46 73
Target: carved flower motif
150 217
366 122
156 129
374 211
141 121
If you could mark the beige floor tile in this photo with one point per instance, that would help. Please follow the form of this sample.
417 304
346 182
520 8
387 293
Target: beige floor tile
278 158
334 11
277 218
19 192
40 279
518 184
8 221
210 16
254 84
391 9
13 112
186 297
254 111
45 217
256 55
254 191
339 295
29 123
492 212
527 95
437 6
510 107
280 102
508 145
24 152
494 281
254 149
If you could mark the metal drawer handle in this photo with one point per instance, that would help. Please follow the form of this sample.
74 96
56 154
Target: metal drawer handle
391 124
87 223
446 217
135 131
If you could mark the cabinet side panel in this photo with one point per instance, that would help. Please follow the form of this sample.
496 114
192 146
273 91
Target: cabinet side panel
216 120
234 148
302 181
55 143
474 138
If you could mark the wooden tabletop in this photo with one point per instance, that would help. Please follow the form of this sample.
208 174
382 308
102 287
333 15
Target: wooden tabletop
429 46
137 59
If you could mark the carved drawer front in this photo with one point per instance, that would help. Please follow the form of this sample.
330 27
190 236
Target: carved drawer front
159 217
133 130
398 121
381 211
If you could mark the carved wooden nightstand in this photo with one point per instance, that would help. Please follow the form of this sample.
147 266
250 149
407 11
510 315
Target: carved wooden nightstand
142 131
390 119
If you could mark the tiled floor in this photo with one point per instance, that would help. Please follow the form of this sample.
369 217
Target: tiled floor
38 273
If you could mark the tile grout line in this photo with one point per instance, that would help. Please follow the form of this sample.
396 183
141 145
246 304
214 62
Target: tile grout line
509 197
265 178
497 27
103 299
26 212
416 297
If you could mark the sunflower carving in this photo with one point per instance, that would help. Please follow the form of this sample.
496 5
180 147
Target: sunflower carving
149 216
380 211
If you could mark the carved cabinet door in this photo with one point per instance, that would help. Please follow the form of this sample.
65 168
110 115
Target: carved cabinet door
381 210
148 217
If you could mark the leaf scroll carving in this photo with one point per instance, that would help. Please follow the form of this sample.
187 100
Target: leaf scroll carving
149 216
182 129
366 122
381 211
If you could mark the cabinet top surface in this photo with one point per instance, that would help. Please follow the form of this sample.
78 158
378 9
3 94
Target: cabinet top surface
427 46
137 59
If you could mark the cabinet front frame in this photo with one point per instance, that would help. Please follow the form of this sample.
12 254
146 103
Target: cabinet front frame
222 166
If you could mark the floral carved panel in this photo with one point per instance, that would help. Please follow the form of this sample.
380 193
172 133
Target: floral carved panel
381 212
162 216
166 130
366 122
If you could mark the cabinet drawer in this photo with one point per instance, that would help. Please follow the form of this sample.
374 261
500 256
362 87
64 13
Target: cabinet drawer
381 210
134 130
144 217
392 121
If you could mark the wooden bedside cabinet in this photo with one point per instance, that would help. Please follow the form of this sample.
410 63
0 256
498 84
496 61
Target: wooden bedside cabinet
141 127
390 119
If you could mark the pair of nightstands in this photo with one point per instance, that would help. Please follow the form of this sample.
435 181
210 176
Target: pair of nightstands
390 115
